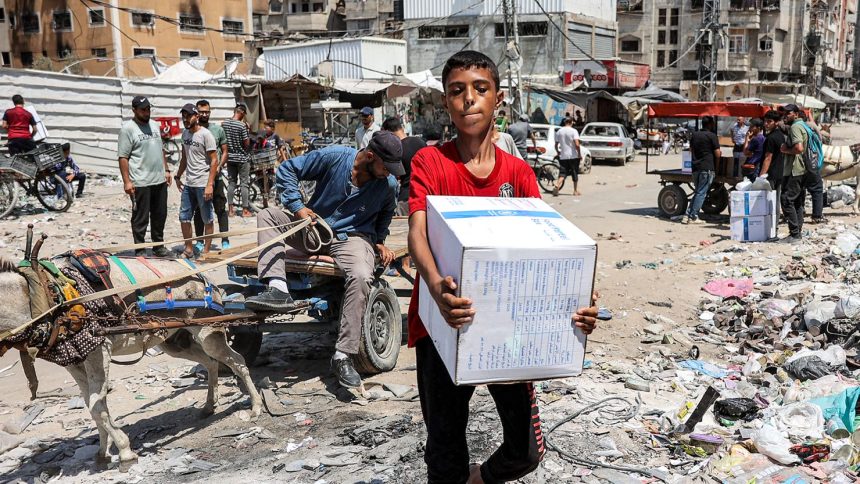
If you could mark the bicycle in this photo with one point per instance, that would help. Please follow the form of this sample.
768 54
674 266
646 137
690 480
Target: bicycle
34 172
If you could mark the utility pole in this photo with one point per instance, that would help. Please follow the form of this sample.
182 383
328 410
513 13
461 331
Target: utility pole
709 47
512 53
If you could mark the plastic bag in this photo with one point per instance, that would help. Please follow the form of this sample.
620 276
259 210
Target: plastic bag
808 368
818 312
847 242
761 183
848 307
826 385
777 308
770 442
843 406
734 409
743 186
834 355
802 420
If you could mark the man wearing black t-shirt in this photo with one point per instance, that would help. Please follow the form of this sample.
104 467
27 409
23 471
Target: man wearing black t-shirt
705 150
772 163
411 145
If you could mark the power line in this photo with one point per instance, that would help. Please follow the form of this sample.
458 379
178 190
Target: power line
201 28
563 33
110 23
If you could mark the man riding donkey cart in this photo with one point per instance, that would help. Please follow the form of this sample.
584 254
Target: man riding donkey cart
356 196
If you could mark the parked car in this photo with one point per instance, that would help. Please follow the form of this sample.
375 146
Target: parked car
545 135
608 141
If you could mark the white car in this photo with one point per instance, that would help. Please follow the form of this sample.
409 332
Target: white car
608 141
545 135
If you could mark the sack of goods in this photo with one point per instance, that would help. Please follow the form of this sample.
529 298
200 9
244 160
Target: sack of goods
753 215
527 270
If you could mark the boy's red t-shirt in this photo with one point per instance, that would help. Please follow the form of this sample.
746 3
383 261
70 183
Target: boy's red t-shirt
438 170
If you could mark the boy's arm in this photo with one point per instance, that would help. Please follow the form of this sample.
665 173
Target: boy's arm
457 311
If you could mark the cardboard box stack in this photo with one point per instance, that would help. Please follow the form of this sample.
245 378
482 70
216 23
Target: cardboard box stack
526 270
753 215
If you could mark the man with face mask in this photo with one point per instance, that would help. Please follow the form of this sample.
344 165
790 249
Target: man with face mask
356 196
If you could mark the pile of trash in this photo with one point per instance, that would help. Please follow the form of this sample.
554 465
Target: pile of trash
839 196
785 404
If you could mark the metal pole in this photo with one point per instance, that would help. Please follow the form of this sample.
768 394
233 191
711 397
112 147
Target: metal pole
506 15
519 96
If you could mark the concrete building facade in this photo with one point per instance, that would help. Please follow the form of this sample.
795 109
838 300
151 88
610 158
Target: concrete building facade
5 45
543 47
120 37
765 42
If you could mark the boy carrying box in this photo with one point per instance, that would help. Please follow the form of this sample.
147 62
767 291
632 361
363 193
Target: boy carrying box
470 165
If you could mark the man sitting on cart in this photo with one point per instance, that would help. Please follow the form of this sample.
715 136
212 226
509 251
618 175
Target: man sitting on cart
356 195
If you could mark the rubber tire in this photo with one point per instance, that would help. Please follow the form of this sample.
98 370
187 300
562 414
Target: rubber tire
717 200
56 180
585 166
672 201
253 192
172 151
8 197
387 321
629 159
547 174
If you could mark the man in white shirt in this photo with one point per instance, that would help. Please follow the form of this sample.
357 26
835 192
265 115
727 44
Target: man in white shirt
567 147
366 129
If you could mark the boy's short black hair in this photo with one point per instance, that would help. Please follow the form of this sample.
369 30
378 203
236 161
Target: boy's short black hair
466 59
17 99
707 121
66 147
432 133
756 123
773 115
392 124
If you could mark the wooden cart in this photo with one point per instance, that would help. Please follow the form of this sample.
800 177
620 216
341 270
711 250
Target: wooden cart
678 186
319 283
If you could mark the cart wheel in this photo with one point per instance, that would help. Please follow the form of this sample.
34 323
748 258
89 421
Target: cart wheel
717 200
8 197
380 331
547 175
253 194
245 340
53 192
585 166
672 200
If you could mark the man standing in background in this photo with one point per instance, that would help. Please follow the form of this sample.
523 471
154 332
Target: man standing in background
521 131
219 196
411 145
145 175
20 127
567 147
238 160
366 129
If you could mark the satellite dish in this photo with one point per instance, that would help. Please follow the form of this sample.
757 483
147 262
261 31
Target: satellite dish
260 62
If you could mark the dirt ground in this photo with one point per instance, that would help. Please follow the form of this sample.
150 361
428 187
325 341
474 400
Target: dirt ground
321 439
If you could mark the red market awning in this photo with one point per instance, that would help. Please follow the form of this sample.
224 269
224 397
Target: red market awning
699 109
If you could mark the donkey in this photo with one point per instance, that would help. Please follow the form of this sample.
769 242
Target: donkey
840 164
205 345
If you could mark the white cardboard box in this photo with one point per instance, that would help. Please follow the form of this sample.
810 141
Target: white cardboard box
752 203
686 162
757 228
527 270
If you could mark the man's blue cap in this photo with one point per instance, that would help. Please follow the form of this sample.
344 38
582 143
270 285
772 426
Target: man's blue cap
366 111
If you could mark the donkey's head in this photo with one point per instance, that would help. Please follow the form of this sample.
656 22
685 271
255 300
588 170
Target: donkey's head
14 296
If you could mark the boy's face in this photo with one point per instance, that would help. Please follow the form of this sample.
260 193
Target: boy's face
471 98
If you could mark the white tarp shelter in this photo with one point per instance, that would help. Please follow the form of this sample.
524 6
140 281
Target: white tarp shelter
89 111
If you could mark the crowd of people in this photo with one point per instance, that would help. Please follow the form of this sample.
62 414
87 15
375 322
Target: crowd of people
777 148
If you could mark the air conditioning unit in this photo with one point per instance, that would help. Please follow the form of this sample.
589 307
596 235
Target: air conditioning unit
707 37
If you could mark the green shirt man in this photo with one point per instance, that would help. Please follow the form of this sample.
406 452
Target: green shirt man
797 134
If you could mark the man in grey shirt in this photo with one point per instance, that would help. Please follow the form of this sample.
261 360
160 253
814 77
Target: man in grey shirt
201 163
521 132
145 175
